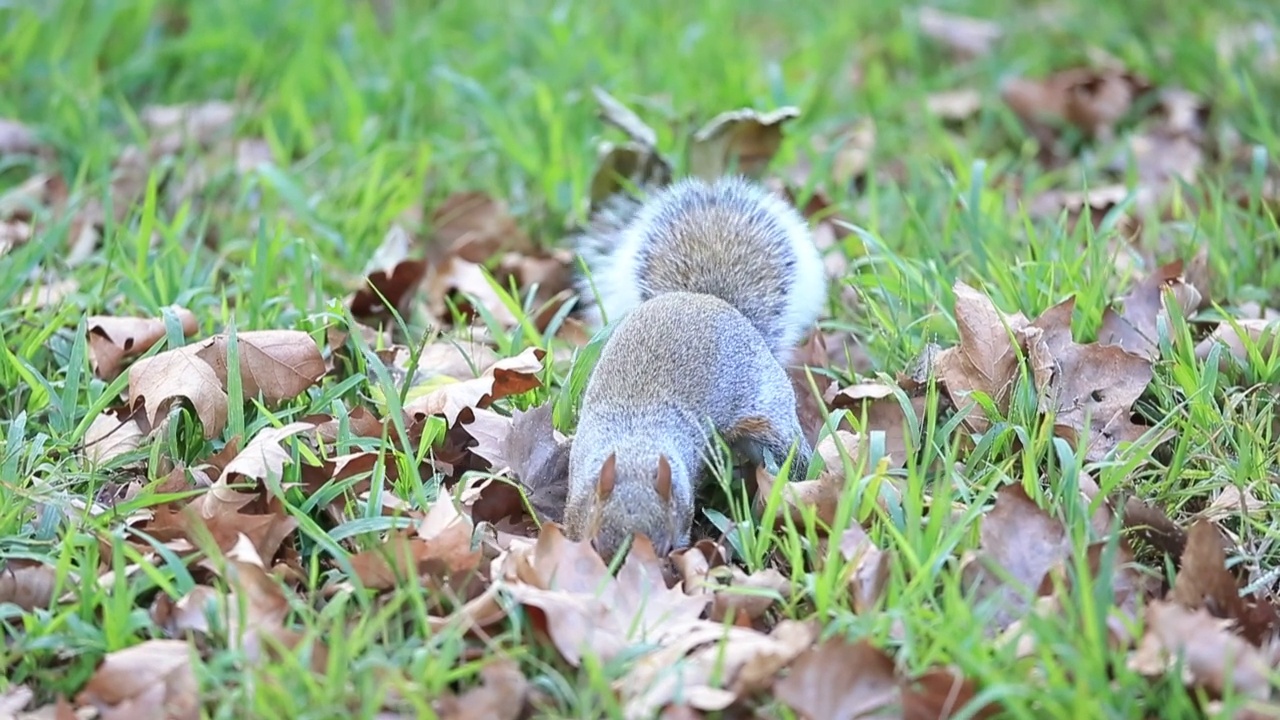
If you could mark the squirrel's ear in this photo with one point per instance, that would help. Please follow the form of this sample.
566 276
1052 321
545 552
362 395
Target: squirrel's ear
608 474
663 482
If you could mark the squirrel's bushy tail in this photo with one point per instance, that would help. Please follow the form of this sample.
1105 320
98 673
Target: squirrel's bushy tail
730 238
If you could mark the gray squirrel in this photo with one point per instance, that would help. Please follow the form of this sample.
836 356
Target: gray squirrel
709 286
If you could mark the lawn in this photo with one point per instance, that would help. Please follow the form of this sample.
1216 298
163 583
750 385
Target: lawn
290 366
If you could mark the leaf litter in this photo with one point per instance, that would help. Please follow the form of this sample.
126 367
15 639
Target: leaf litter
711 634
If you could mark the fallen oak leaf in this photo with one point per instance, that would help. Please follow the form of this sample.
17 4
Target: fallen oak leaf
582 608
474 226
1211 657
868 568
986 359
1089 389
279 365
1019 544
391 276
151 679
112 340
538 457
509 376
841 679
708 666
743 141
501 695
157 382
1134 327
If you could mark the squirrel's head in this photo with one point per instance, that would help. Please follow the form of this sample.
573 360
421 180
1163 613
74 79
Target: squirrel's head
637 497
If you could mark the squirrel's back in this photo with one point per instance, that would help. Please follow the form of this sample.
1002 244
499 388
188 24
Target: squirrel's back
731 239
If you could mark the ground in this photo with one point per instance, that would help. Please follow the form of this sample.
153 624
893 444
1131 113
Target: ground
275 364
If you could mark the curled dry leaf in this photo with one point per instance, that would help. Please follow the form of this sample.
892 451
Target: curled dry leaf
1212 658
115 432
27 583
505 377
637 161
965 37
572 597
500 695
1238 336
278 364
841 679
391 276
986 358
821 495
1134 327
742 141
1020 543
868 568
1090 389
708 666
879 404
157 382
539 459
475 227
175 125
264 457
14 700
112 340
440 547
1204 582
1233 502
151 679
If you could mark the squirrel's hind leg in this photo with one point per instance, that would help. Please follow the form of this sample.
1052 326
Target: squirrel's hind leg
766 442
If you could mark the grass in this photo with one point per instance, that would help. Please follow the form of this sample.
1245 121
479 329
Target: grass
364 123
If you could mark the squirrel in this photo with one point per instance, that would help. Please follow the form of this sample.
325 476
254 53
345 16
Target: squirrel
709 287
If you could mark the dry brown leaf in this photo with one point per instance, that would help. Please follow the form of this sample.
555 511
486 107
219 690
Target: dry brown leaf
159 381
391 276
841 679
742 141
500 695
264 457
458 358
1020 543
505 377
821 495
115 432
570 594
1233 502
1204 582
742 596
1134 327
278 364
112 340
1150 526
471 289
1261 334
1212 657
868 568
27 583
151 679
475 227
1091 99
965 37
883 415
954 105
708 666
1090 388
986 359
